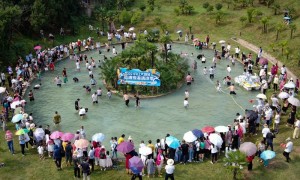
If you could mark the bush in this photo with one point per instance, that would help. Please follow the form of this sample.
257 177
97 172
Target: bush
210 8
177 11
136 17
125 17
142 7
218 6
205 5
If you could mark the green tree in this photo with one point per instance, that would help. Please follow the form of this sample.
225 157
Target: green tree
283 44
235 161
125 17
165 40
218 6
219 16
182 6
250 14
38 16
279 28
293 28
210 8
151 4
205 5
243 19
102 15
276 8
136 17
269 2
265 22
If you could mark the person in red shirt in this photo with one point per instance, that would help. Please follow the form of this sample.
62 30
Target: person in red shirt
188 79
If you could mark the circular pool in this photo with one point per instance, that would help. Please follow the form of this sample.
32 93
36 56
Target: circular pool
155 118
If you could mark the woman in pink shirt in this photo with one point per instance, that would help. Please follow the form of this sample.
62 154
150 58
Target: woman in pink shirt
10 142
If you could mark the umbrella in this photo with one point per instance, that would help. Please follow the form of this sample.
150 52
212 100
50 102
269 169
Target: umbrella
290 85
263 61
56 135
22 131
198 133
2 90
261 96
294 101
266 155
14 104
251 115
221 129
17 118
208 129
196 39
81 143
67 136
189 137
283 95
37 48
39 134
17 110
25 116
286 18
131 29
99 137
136 164
145 151
216 139
222 41
172 142
248 148
179 31
125 147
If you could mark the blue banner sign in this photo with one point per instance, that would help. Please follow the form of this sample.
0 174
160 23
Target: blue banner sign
137 77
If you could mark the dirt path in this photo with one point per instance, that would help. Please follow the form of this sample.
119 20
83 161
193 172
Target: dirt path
272 59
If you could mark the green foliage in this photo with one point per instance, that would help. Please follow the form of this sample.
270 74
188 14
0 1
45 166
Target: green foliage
276 8
37 18
151 4
142 7
250 14
265 21
210 8
235 161
205 5
219 16
125 17
293 28
137 17
279 28
218 6
243 19
177 11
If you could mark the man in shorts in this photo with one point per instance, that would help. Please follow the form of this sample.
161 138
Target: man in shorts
188 79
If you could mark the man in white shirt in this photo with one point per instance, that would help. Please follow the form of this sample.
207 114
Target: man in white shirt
228 70
228 47
265 131
170 169
288 149
82 112
237 52
95 98
297 129
283 70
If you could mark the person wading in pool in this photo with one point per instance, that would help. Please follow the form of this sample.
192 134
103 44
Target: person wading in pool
126 99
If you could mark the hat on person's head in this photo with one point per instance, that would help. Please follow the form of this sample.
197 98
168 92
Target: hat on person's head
170 162
129 138
265 125
228 125
288 139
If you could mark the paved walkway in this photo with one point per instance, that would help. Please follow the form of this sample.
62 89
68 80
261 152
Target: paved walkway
271 59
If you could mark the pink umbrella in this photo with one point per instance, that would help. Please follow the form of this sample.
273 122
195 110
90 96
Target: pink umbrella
263 61
67 136
37 48
125 147
208 129
56 135
196 39
81 143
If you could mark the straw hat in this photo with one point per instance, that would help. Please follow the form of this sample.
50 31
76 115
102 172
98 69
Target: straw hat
288 139
170 162
265 125
129 138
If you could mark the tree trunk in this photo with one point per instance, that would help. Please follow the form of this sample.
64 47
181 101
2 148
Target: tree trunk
152 59
166 52
291 34
277 34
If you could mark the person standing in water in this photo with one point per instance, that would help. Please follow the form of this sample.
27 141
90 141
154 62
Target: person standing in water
64 74
137 101
126 99
77 104
186 103
56 119
232 89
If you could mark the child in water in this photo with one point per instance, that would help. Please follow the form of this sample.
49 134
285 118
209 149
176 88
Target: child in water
205 71
218 86
186 103
109 94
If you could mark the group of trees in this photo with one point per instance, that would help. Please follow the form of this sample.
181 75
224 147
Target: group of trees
184 8
144 55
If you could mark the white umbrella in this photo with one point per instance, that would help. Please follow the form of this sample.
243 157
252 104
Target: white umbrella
283 95
262 96
2 89
189 137
131 29
294 101
179 31
25 116
14 104
39 134
290 85
221 129
145 151
216 139
99 137
222 41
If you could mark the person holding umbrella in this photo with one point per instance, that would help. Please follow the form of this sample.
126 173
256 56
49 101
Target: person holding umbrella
288 149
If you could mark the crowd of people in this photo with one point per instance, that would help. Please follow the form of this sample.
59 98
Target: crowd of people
268 112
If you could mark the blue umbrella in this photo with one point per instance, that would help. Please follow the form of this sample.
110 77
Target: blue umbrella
17 118
266 155
198 133
172 142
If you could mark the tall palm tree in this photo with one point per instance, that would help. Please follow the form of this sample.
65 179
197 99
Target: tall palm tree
234 161
165 40
265 21
293 28
279 28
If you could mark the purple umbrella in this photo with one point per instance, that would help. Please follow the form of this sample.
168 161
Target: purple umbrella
67 136
263 61
56 135
125 147
198 133
136 164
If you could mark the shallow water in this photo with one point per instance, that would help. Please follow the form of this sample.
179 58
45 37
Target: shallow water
154 119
